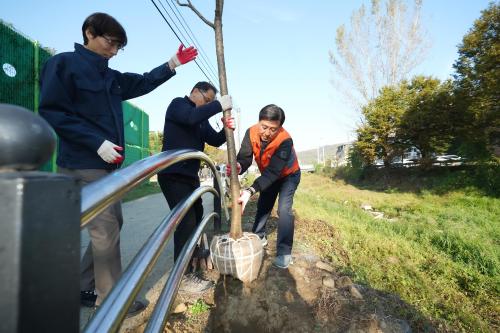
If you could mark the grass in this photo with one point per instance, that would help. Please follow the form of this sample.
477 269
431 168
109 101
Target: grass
142 190
439 250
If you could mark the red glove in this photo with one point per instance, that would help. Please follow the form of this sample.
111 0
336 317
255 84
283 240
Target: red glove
183 56
228 122
228 169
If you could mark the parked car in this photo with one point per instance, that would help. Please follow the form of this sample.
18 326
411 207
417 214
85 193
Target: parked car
448 158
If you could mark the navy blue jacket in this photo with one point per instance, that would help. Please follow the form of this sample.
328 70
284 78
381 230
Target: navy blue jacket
81 97
187 127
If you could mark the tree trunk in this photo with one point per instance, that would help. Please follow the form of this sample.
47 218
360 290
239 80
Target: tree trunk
236 231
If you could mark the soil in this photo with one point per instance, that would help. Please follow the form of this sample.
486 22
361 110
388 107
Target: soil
312 295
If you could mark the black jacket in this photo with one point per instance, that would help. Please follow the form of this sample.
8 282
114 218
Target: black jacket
187 127
81 97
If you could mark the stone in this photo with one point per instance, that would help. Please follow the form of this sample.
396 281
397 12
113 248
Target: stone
180 308
344 281
324 266
328 282
366 207
377 215
355 292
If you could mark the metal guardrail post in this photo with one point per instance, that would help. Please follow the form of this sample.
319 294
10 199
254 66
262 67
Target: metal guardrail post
39 230
158 319
113 310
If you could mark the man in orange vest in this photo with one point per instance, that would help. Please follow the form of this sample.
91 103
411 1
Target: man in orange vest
272 147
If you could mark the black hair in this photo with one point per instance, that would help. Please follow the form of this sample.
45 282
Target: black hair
205 86
272 112
101 24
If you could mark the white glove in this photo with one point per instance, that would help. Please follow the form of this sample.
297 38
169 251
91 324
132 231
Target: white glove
108 151
243 199
226 102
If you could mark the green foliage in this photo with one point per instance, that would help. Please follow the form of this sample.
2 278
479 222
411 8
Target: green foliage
425 123
378 136
144 189
155 142
478 85
198 308
438 251
217 155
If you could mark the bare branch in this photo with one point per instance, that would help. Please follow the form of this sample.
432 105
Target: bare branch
380 47
193 8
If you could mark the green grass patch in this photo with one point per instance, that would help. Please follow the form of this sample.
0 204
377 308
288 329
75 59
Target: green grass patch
142 190
198 308
438 250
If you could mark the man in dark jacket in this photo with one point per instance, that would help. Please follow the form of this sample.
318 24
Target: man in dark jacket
272 147
187 127
81 97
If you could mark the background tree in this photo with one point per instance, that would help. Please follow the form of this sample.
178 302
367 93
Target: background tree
380 135
380 48
218 156
478 85
155 141
426 123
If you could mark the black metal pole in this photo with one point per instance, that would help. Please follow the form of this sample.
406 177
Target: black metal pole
39 231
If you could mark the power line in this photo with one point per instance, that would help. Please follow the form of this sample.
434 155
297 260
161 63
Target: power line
179 30
194 36
176 35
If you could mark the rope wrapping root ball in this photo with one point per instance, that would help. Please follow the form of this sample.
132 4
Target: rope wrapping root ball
240 258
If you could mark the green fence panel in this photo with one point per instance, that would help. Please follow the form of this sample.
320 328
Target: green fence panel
17 78
132 122
145 130
132 154
21 62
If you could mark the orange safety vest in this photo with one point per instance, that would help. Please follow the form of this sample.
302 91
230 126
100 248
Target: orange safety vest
263 160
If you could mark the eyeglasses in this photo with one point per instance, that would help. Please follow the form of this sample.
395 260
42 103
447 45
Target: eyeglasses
205 98
113 43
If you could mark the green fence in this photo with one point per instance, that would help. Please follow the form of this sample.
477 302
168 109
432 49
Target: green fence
21 61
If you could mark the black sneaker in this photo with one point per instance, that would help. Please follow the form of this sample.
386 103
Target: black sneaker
193 284
87 298
136 308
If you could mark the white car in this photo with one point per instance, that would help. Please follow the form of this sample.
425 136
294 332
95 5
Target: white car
448 158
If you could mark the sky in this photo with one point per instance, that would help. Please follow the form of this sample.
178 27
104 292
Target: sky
275 52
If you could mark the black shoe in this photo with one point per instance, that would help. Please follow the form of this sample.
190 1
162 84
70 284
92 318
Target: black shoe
87 298
136 308
191 283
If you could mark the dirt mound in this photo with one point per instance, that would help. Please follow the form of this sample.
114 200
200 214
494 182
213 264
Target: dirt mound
310 296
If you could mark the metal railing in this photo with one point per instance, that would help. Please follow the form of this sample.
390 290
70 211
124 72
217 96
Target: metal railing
99 195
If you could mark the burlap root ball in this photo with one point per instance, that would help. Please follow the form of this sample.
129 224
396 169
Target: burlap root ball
240 258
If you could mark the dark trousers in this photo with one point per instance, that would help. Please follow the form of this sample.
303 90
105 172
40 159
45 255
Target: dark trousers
175 189
286 188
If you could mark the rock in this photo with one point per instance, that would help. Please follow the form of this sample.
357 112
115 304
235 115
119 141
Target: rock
377 215
180 308
355 292
395 325
310 258
328 282
324 266
344 281
366 207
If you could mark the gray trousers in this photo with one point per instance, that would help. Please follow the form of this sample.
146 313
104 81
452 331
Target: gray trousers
100 267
